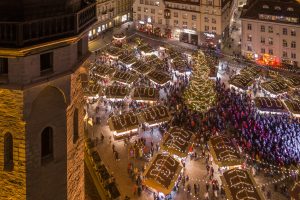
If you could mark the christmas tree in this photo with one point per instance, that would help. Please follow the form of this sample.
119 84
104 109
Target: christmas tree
201 94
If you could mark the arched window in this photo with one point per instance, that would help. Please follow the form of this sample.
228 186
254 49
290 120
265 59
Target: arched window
75 126
47 145
8 152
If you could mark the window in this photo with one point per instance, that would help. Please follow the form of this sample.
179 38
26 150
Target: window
184 24
249 38
263 50
206 28
141 1
175 22
206 19
46 62
271 51
262 40
293 55
284 43
265 6
270 28
145 9
8 152
194 17
153 11
277 8
284 31
47 145
175 14
139 9
159 21
213 20
184 16
293 44
249 26
262 28
3 66
284 54
139 17
75 126
270 41
293 32
249 48
290 9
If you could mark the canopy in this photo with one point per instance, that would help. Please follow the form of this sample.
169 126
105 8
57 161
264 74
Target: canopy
224 152
177 141
239 184
162 173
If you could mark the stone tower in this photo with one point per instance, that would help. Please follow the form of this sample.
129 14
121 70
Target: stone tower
43 45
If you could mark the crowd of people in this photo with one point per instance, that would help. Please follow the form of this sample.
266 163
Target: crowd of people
268 138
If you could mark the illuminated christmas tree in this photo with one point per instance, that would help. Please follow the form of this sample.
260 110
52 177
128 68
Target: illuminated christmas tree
201 94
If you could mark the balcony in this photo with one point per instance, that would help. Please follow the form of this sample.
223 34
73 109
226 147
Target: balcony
19 34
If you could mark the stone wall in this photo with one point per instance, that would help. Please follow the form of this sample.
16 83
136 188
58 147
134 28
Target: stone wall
12 184
75 151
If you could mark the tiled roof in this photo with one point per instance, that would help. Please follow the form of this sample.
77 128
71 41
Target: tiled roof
278 8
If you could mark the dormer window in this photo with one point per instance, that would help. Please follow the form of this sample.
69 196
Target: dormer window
277 8
265 6
290 9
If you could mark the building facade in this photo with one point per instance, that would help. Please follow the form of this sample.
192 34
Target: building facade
270 32
41 100
111 13
192 21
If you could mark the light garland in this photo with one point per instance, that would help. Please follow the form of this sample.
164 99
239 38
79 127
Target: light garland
200 95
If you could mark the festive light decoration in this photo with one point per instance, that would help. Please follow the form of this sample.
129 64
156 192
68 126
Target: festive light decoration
200 94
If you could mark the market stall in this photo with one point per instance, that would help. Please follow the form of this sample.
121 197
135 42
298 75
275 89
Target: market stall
251 71
275 87
224 152
240 185
180 65
292 81
293 106
113 52
162 174
241 82
159 77
123 124
177 141
128 59
295 191
142 67
145 94
155 115
93 89
124 77
269 105
146 49
116 92
103 71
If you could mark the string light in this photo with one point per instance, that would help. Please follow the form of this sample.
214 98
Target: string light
200 95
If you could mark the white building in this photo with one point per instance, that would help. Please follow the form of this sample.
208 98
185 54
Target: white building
270 31
111 13
191 21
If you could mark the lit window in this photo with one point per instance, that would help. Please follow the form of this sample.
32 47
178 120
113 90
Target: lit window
277 8
265 6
